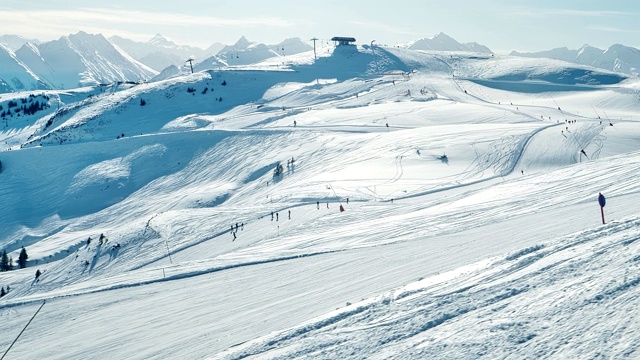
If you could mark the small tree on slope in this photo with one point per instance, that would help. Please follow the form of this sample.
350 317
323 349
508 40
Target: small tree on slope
4 261
22 259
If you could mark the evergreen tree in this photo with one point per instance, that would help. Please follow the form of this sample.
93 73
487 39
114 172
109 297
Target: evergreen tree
4 261
10 263
22 259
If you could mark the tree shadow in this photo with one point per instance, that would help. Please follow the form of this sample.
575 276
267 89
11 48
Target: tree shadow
444 159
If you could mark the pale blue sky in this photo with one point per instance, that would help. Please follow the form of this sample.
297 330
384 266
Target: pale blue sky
523 25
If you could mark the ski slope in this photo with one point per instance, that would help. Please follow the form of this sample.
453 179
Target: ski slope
471 224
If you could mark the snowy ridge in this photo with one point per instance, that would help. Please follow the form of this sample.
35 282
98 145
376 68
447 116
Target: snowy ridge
618 58
443 42
471 224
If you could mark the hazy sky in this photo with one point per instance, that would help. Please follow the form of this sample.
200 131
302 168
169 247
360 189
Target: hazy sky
502 25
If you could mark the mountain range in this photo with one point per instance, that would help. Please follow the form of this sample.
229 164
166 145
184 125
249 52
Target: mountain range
443 42
72 61
85 59
619 58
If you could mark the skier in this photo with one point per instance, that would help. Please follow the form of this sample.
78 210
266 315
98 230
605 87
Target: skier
318 204
276 216
289 214
347 200
234 236
327 204
271 216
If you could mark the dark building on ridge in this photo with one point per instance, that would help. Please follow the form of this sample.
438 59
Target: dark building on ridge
339 40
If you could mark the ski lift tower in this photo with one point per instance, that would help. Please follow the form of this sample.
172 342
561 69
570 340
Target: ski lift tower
190 61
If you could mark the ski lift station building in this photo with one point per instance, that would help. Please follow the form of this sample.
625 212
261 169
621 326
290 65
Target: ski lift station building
340 40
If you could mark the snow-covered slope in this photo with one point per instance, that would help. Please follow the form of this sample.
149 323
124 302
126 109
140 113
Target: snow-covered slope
82 59
470 228
15 75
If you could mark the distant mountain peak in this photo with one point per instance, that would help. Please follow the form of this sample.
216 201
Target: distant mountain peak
159 39
14 42
442 35
444 42
242 43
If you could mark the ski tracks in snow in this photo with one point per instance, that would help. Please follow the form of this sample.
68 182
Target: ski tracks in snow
556 284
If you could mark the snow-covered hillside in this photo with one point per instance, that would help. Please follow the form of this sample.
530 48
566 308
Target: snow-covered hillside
426 205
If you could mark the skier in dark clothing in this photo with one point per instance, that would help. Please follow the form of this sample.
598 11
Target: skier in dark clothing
289 214
234 236
318 204
272 216
276 216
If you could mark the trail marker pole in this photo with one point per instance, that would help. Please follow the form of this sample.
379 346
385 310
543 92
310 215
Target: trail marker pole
602 201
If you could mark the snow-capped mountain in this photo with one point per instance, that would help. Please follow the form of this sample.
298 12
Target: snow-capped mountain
82 59
213 62
619 58
291 46
479 48
15 42
443 42
15 75
169 72
160 52
245 52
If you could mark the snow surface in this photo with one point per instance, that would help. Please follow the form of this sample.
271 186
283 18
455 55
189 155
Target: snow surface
471 229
